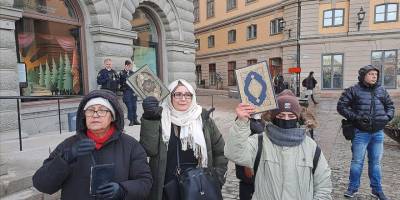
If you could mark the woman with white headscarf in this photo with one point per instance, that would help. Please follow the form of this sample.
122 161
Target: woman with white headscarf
180 124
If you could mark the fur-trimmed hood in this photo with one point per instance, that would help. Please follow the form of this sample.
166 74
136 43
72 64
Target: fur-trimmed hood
112 98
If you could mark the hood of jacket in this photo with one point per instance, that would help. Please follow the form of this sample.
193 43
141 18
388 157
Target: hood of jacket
106 94
364 70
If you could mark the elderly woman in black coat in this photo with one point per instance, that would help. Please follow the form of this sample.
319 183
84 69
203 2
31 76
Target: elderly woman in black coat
100 141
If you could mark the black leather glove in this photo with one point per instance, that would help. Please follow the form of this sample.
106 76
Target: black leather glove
110 190
363 120
151 109
256 126
80 148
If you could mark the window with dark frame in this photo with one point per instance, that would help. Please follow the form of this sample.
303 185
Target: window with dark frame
332 71
211 41
197 42
276 26
196 11
231 36
333 17
251 61
231 73
199 76
212 71
230 4
252 32
386 12
51 49
210 8
385 60
250 1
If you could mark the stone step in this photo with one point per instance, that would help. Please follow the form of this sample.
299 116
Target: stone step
12 183
27 194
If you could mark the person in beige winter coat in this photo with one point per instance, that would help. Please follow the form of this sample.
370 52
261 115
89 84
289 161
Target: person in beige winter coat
291 165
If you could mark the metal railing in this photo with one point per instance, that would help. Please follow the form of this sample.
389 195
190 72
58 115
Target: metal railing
19 98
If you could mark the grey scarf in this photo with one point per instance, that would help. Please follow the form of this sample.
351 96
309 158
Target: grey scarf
285 137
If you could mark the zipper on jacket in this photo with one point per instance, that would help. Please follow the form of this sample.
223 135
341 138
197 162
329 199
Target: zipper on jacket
372 109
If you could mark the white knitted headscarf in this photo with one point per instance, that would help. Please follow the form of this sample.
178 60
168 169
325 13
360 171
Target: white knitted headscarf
191 134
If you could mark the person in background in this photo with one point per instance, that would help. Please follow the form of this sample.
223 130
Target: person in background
180 122
292 165
309 83
368 105
279 83
99 139
129 98
108 78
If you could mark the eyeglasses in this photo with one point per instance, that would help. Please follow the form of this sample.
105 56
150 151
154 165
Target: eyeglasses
179 95
100 113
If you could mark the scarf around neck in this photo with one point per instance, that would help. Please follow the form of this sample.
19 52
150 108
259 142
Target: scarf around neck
191 133
100 140
285 137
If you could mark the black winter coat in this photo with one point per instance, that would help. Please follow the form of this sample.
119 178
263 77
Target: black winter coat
309 83
132 171
373 102
108 80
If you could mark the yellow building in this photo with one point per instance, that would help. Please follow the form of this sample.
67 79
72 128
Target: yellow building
332 38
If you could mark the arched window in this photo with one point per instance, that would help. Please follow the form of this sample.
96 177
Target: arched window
49 44
146 46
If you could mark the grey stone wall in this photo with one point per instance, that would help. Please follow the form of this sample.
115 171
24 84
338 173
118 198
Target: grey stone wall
9 83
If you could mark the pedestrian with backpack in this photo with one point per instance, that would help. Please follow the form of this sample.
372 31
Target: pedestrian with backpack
292 166
309 83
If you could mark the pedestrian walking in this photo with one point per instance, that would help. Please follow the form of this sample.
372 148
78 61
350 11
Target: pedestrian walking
368 105
246 174
107 78
279 83
129 96
180 127
99 143
309 83
292 165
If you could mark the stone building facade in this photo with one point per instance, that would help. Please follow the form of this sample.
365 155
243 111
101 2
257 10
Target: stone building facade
97 29
327 37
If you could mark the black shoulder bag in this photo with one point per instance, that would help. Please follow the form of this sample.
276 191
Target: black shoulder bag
348 129
196 183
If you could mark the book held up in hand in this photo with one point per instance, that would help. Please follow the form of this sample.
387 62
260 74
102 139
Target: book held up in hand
100 175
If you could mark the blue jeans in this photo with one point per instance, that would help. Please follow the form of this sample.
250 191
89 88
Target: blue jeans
373 144
130 102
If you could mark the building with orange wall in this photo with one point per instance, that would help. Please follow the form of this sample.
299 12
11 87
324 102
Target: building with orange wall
327 37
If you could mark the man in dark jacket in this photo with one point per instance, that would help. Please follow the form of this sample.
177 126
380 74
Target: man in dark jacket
130 98
309 83
100 140
108 77
369 107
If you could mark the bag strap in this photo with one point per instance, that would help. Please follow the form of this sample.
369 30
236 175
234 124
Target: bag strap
316 158
259 150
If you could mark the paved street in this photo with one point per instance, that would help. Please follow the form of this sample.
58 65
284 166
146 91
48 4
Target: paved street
334 146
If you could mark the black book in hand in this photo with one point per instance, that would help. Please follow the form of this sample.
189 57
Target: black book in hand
100 175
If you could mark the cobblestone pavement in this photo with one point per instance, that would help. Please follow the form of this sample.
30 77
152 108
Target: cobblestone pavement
335 148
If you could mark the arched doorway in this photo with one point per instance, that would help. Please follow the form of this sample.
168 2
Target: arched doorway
49 45
146 48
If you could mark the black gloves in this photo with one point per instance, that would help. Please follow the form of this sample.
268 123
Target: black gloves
80 148
363 120
152 111
110 190
256 126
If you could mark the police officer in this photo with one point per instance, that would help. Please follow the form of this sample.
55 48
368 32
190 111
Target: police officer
108 77
129 98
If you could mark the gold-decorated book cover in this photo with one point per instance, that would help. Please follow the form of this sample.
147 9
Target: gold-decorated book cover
255 87
145 83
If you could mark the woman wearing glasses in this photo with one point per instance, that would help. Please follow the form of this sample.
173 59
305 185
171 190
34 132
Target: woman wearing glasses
99 143
179 124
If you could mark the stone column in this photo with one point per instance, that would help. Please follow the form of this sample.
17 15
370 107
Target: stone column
180 64
9 84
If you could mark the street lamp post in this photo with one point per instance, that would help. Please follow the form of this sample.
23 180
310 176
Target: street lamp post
360 17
